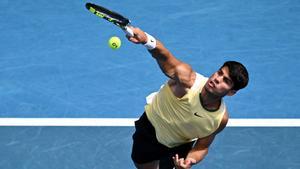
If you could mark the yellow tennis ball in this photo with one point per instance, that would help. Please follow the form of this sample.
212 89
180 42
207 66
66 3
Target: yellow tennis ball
114 42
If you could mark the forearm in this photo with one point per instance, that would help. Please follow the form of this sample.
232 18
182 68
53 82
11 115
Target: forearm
166 61
197 155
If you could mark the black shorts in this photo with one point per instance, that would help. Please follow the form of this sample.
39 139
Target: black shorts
146 147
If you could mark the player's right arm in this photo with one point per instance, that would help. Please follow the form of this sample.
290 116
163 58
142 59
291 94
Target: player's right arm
170 65
200 149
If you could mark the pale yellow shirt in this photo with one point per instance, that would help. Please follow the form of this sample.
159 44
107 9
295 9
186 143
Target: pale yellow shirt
181 120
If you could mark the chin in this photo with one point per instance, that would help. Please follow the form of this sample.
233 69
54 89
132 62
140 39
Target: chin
212 92
208 89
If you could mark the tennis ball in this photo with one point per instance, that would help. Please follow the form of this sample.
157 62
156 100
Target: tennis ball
114 42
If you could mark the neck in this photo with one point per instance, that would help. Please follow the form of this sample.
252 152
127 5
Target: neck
209 101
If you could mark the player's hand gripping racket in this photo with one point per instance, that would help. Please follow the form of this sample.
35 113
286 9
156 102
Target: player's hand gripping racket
111 16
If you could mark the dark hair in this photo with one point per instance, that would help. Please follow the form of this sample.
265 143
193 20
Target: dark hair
238 74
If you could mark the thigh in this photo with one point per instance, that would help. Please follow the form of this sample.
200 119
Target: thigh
145 147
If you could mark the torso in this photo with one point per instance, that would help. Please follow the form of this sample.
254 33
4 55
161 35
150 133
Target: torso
172 111
179 91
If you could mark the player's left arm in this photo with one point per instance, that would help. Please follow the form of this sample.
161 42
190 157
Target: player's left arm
200 149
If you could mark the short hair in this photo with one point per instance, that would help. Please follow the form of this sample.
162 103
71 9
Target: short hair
238 74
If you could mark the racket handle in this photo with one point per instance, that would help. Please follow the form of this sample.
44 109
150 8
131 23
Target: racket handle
128 31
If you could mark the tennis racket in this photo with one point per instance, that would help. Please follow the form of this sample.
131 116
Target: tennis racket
111 16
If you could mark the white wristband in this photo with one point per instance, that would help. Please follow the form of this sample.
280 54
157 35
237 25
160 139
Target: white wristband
151 42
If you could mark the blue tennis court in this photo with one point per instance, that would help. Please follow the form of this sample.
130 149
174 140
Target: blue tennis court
55 63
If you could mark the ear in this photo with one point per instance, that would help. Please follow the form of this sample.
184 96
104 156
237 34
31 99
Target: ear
231 92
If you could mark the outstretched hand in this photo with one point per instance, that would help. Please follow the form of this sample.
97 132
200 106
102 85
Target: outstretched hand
181 163
139 36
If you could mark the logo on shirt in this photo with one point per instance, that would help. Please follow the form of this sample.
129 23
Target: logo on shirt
198 115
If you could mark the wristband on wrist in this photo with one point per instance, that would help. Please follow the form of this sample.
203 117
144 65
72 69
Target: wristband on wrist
151 42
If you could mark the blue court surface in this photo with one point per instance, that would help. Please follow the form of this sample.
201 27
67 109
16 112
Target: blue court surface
55 63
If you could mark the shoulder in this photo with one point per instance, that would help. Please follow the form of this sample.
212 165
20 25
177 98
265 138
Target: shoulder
185 75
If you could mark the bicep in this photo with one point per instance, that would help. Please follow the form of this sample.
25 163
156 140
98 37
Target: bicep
170 65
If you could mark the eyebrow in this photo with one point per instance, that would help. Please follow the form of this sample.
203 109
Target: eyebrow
225 77
228 80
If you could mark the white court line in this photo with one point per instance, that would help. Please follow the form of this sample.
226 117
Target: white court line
130 122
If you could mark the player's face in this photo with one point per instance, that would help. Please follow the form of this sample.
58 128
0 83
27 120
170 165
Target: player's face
219 83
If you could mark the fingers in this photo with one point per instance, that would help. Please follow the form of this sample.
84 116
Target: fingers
190 161
132 39
181 163
138 37
178 162
175 160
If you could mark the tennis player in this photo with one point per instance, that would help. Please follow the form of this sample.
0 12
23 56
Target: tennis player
182 119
